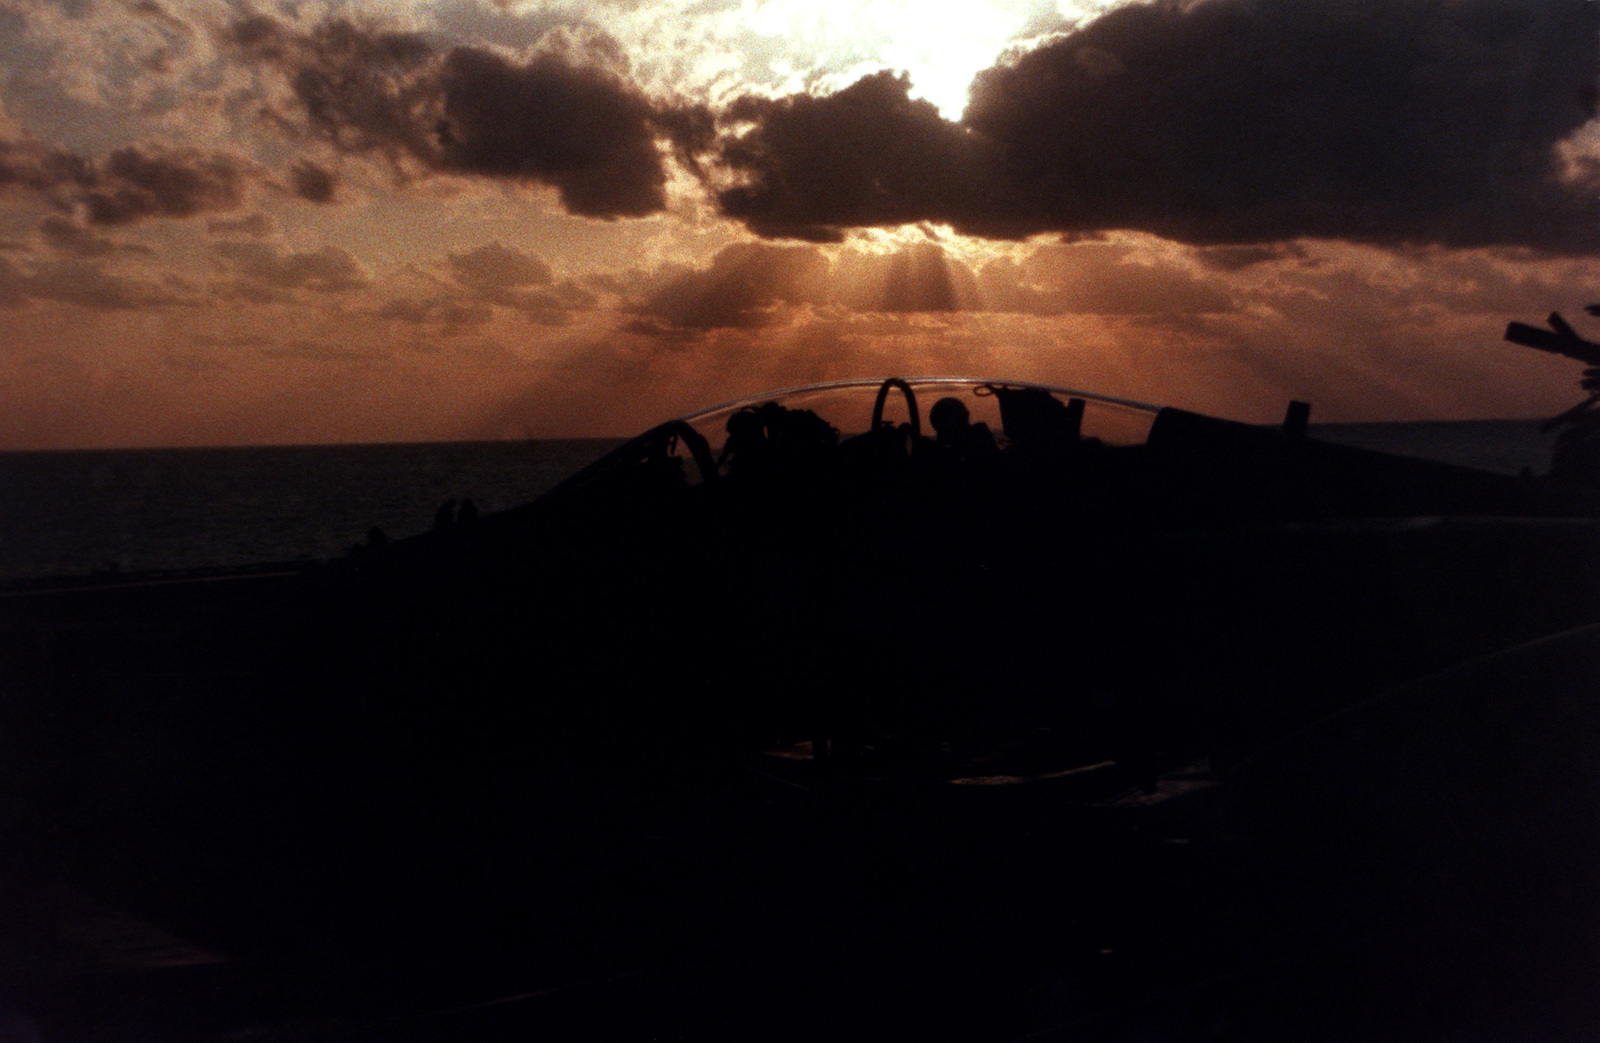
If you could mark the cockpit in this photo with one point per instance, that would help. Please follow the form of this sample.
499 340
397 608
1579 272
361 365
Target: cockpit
820 427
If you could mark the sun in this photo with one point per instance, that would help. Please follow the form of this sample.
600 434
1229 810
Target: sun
787 46
719 50
941 49
943 54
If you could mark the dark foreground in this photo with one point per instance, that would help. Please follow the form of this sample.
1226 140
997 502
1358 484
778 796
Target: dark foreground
1419 867
1339 886
1215 737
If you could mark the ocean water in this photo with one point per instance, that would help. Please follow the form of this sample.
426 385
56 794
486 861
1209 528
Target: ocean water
1504 446
88 512
96 512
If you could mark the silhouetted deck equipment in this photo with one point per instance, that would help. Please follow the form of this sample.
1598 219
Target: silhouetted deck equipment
1135 720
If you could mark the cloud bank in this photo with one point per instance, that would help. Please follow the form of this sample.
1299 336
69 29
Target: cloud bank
1218 121
131 184
1438 122
1443 122
567 117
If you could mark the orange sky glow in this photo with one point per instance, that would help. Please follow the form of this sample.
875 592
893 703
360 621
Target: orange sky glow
233 223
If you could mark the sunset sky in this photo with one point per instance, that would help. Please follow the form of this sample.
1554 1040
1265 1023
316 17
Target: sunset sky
249 223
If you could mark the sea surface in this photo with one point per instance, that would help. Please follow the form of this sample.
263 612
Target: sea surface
98 512
1504 446
88 512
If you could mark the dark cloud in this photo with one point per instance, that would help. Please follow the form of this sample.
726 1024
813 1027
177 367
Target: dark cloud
65 236
312 183
555 306
1414 120
1236 258
495 268
363 90
745 287
24 164
130 184
133 184
88 286
691 130
448 316
328 270
78 281
74 9
809 167
1217 121
580 129
751 286
160 16
566 117
505 276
